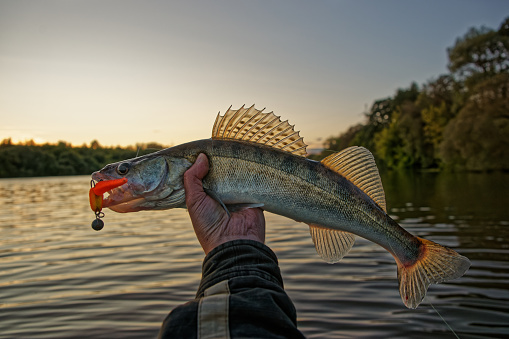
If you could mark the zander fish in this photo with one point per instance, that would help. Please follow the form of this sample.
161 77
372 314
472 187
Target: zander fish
256 160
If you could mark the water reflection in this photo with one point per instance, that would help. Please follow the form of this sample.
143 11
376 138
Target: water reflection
59 278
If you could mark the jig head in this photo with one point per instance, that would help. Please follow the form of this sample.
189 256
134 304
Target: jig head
96 198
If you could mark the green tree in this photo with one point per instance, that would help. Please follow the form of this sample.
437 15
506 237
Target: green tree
29 159
439 101
6 142
435 120
480 54
401 142
478 138
378 118
94 144
504 27
380 113
344 140
388 144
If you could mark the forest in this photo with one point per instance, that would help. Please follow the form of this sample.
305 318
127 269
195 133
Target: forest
31 160
456 121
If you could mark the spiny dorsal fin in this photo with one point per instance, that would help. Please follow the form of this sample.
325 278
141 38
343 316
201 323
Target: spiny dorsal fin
250 124
331 245
358 166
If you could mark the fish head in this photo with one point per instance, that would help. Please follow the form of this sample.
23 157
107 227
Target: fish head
153 182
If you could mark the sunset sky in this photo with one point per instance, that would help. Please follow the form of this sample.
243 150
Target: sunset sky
123 72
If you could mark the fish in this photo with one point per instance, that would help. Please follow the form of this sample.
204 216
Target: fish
258 160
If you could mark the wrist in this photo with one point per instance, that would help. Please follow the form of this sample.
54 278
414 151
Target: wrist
210 245
239 258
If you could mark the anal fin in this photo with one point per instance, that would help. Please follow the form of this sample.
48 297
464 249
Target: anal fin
331 245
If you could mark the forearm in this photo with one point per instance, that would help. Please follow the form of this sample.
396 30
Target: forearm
240 259
241 292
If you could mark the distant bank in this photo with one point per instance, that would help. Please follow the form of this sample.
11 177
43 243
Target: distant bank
31 160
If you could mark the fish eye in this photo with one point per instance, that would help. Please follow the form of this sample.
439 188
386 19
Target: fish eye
123 168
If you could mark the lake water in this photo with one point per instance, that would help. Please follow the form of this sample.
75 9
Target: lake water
61 279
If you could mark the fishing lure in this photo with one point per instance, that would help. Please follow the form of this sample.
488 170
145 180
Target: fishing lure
96 198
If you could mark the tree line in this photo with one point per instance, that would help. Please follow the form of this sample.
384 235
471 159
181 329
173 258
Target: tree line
459 120
31 160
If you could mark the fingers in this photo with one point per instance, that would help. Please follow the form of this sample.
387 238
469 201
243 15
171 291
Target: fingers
211 223
193 180
256 225
200 167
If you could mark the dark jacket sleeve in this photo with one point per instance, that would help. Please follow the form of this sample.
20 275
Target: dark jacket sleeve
241 295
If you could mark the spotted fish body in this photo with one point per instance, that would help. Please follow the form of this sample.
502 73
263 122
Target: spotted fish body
257 160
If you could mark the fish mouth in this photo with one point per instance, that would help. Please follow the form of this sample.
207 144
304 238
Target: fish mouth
119 199
133 204
124 206
123 199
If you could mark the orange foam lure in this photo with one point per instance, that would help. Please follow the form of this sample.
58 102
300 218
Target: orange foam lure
96 193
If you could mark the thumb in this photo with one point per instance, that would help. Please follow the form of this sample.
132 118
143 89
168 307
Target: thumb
200 167
192 180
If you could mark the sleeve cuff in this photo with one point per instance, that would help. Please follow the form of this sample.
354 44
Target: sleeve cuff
239 258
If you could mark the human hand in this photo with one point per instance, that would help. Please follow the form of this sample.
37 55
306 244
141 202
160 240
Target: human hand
212 225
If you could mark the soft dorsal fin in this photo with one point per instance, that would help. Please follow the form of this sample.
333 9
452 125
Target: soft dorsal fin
250 124
357 164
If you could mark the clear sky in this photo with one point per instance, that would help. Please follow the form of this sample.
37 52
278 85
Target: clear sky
123 71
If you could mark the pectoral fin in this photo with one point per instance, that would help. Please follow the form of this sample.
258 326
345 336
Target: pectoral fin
331 245
230 208
216 198
241 207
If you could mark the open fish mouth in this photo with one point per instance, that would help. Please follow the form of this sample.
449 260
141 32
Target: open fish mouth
119 199
124 206
134 204
124 199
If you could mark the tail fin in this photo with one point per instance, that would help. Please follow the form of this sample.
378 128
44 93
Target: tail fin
435 265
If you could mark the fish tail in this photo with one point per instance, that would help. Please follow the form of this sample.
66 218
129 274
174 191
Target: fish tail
436 263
